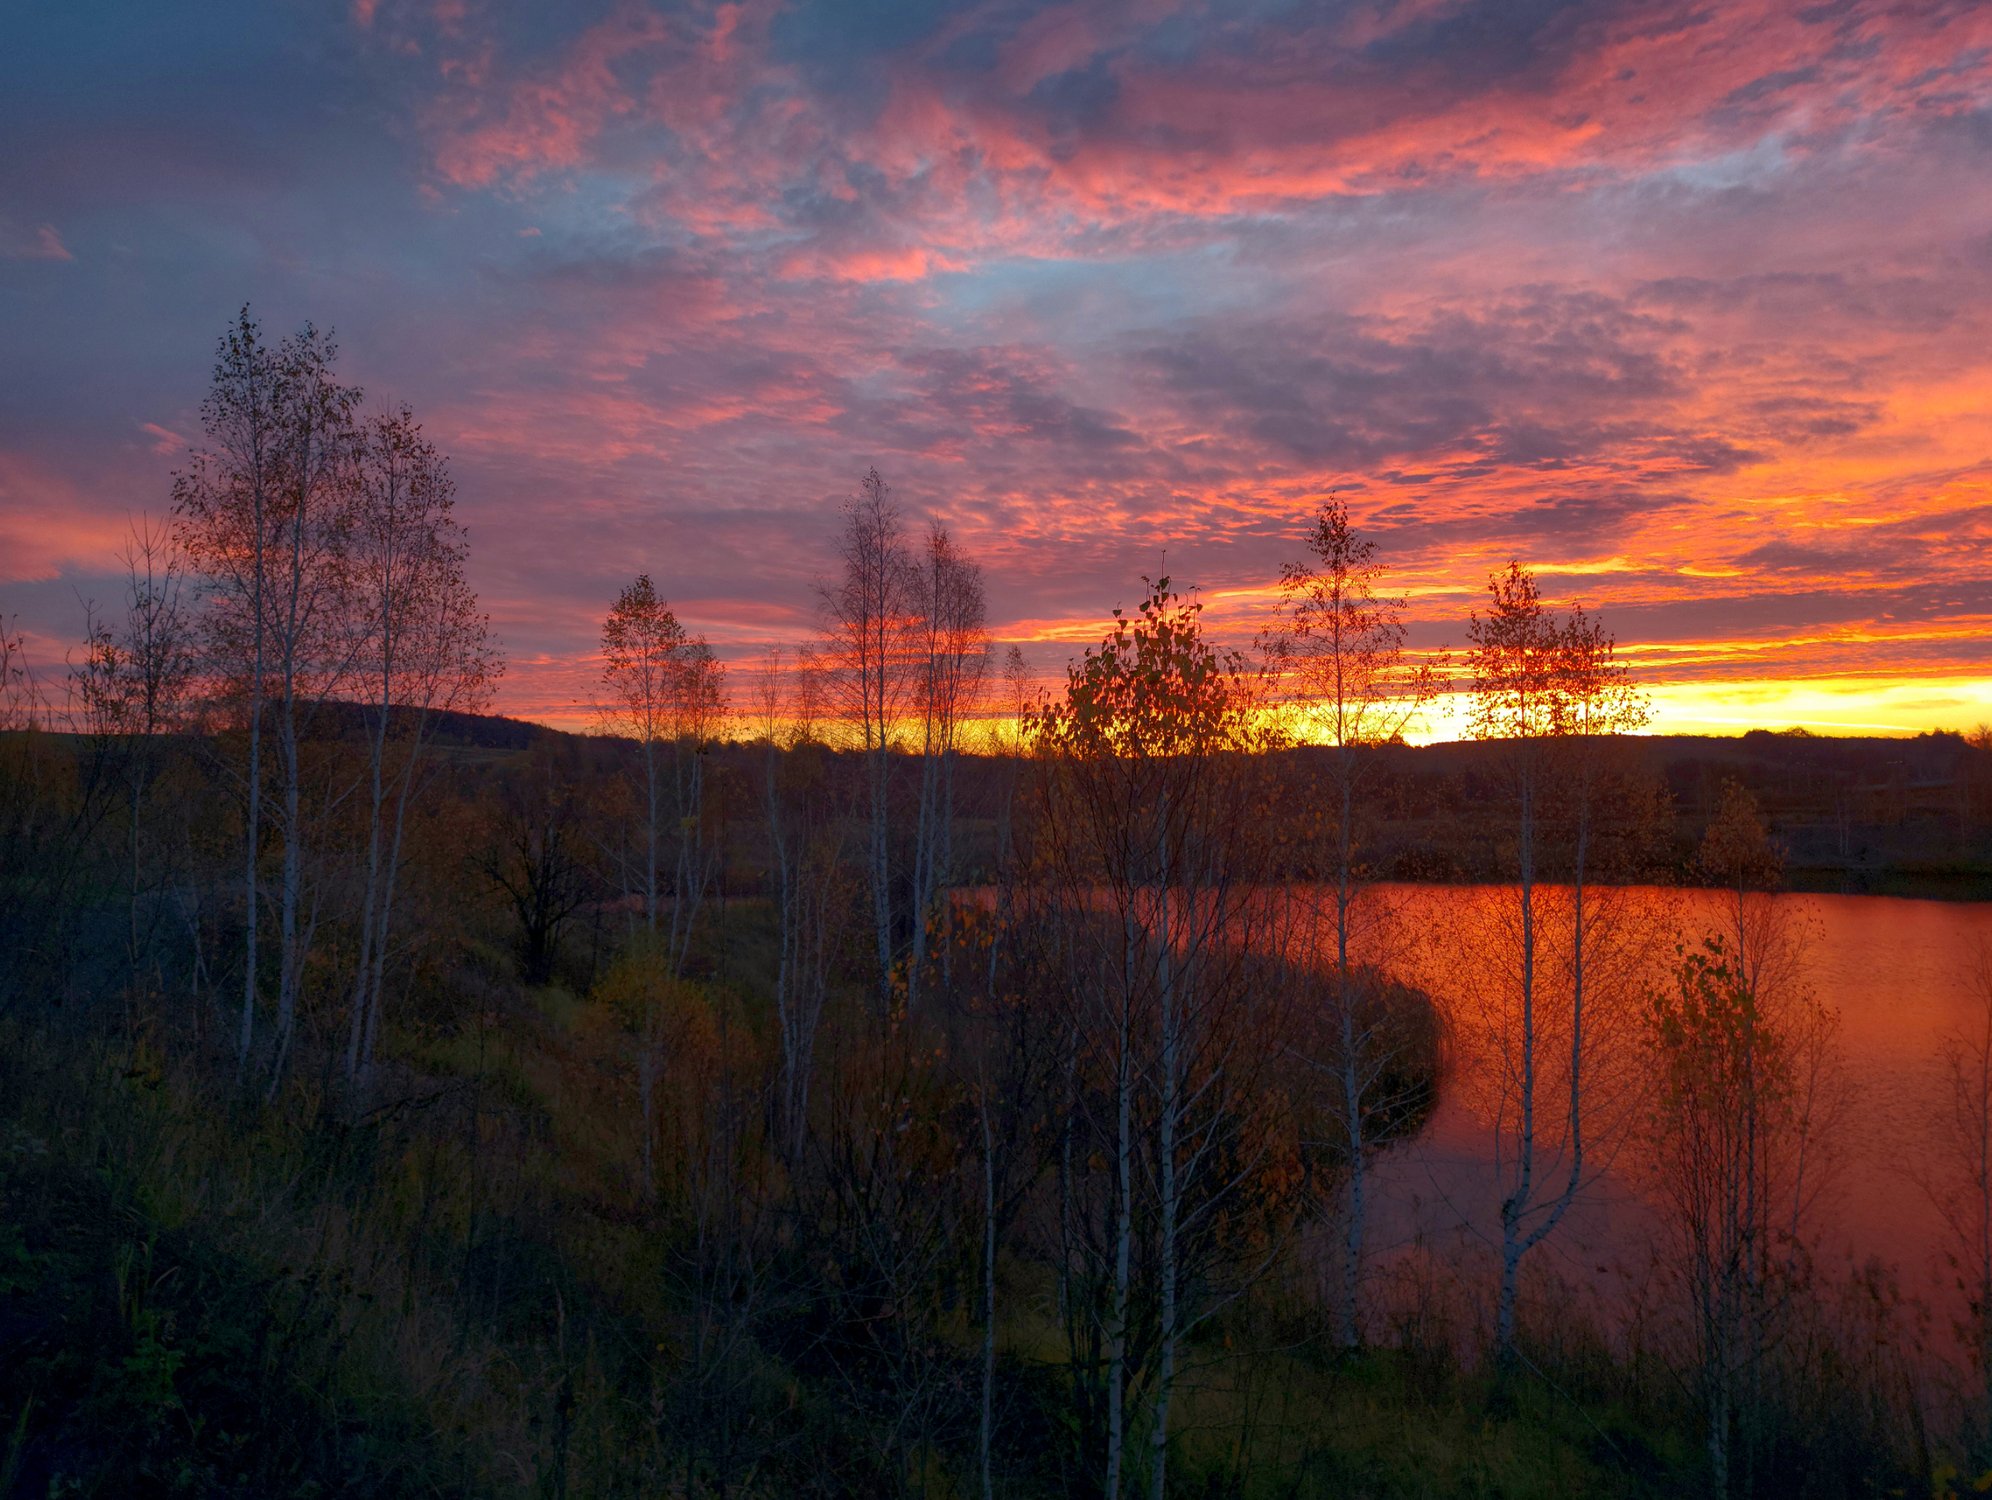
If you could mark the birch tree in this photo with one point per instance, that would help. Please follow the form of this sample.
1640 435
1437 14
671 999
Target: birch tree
1723 1079
1147 809
1749 1063
264 513
871 630
697 701
642 643
1004 1027
427 650
1597 703
224 503
1536 682
807 697
666 692
1740 1071
954 654
803 850
1513 662
134 684
1006 742
1339 645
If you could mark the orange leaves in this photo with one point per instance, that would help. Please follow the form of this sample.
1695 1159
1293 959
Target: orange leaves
1737 850
1154 688
662 682
1533 675
1339 643
641 641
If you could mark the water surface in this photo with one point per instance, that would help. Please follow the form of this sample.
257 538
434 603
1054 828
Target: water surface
1898 974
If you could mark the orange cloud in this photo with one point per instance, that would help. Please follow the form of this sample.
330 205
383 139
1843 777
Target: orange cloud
48 525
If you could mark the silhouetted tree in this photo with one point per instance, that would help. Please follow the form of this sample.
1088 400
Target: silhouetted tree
642 647
1733 1120
1339 647
1537 684
425 650
1744 1139
954 649
264 514
872 636
1146 813
531 859
134 686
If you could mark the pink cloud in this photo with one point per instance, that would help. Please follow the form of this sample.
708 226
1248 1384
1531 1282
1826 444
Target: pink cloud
165 440
42 242
49 525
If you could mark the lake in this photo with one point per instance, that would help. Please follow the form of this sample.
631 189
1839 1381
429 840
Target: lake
1897 972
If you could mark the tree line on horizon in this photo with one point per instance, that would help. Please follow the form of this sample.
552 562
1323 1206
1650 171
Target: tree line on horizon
819 1118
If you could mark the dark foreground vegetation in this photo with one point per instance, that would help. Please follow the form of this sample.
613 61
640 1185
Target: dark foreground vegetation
771 1098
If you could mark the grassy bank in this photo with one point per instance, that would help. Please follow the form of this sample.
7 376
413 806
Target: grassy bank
463 1291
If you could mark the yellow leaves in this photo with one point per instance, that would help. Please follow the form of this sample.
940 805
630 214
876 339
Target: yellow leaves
672 1013
1944 1478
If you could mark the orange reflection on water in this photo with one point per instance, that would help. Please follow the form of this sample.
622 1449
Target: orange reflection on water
1898 973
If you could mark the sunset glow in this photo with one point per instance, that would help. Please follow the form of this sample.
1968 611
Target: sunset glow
1685 306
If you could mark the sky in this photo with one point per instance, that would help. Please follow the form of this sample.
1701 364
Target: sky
1688 306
